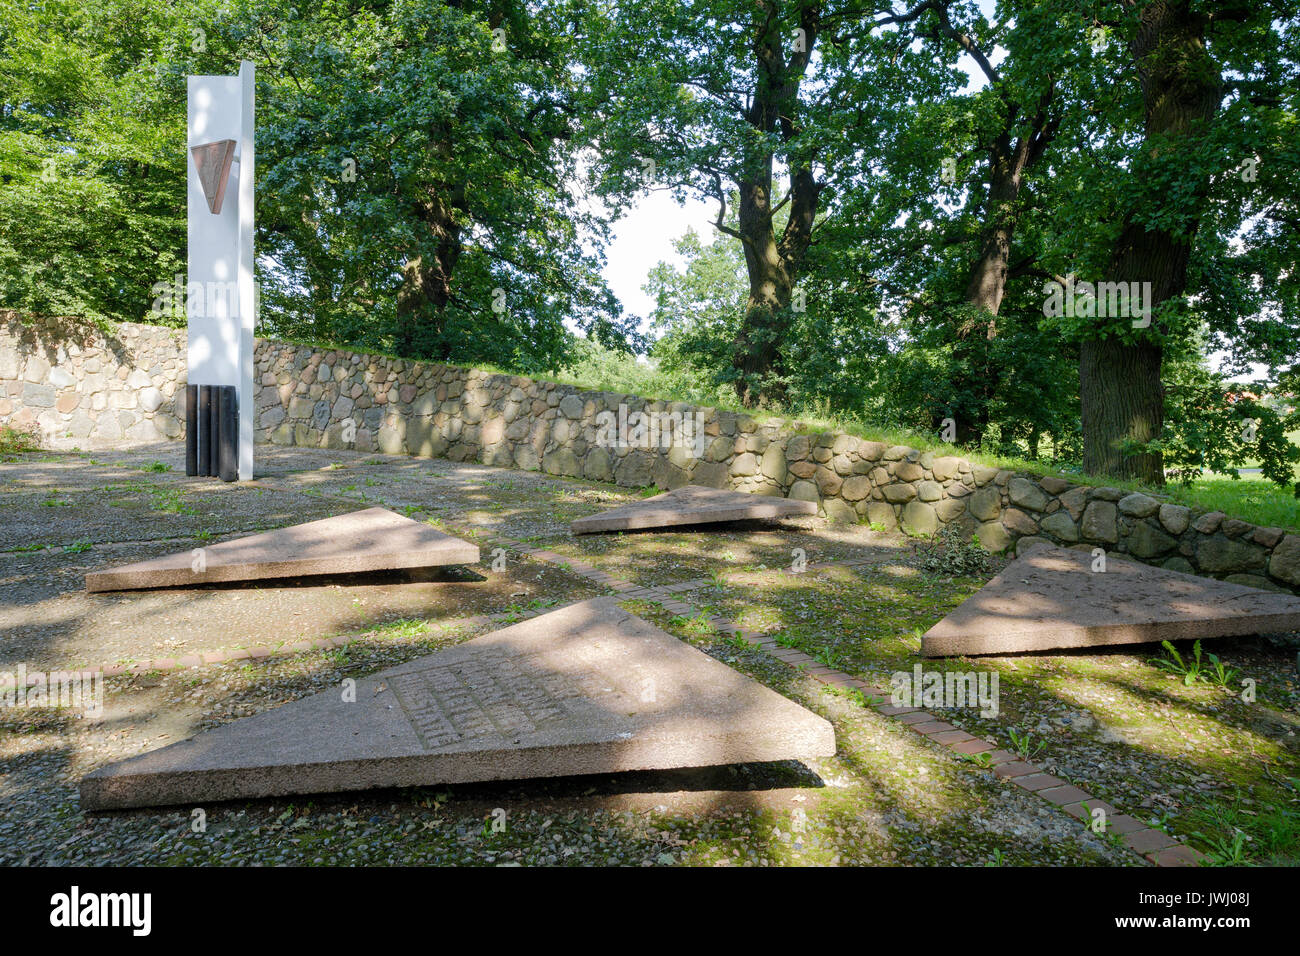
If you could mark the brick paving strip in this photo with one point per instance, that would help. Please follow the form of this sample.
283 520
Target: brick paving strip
1154 845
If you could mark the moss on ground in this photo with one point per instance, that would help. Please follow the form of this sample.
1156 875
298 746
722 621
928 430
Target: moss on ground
1196 758
1199 761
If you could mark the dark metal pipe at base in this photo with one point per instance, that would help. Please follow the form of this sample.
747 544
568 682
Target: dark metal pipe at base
214 435
205 430
229 446
191 430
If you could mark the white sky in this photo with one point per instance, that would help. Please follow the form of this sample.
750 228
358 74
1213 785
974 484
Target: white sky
644 238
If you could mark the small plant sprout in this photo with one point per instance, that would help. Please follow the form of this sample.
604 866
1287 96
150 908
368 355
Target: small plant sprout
1190 671
983 761
830 658
1024 745
1219 673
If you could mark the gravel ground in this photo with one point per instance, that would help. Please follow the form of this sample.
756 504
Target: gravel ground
887 797
1219 771
1116 725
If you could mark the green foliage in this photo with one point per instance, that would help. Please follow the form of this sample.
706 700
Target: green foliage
417 178
417 171
1024 745
697 316
1189 671
439 180
1225 849
981 760
17 441
699 624
92 153
1211 670
830 658
592 365
1219 673
1238 835
1213 426
1006 394
950 552
831 356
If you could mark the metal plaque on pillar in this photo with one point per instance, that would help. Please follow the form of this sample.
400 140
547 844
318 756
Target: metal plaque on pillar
220 300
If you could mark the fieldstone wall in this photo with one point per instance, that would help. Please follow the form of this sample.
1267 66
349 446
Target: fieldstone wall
127 387
72 383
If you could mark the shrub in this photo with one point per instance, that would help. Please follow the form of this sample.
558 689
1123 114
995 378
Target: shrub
949 551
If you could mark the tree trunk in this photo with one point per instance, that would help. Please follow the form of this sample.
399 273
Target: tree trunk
988 281
1120 384
427 277
1007 165
765 324
772 264
1123 399
1008 161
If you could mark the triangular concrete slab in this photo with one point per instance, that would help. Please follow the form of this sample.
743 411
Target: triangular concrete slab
213 160
586 689
1050 598
691 504
371 540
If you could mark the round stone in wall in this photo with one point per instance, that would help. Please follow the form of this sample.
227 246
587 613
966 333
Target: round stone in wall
150 399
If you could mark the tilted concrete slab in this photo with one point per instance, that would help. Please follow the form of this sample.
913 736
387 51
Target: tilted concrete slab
691 504
1050 598
586 689
371 540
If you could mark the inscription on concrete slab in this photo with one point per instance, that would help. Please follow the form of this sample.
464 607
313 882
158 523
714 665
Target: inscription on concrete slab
691 504
1052 598
492 696
589 688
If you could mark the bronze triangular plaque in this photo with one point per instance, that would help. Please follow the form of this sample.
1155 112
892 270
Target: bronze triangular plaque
213 163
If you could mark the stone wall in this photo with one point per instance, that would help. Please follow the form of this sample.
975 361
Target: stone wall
341 399
74 384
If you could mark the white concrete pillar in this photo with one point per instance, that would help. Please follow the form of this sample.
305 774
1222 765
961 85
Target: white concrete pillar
220 298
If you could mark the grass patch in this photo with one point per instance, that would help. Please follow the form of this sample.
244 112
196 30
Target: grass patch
1170 738
1250 498
1235 835
17 441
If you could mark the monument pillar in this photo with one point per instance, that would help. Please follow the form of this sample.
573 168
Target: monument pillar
220 299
